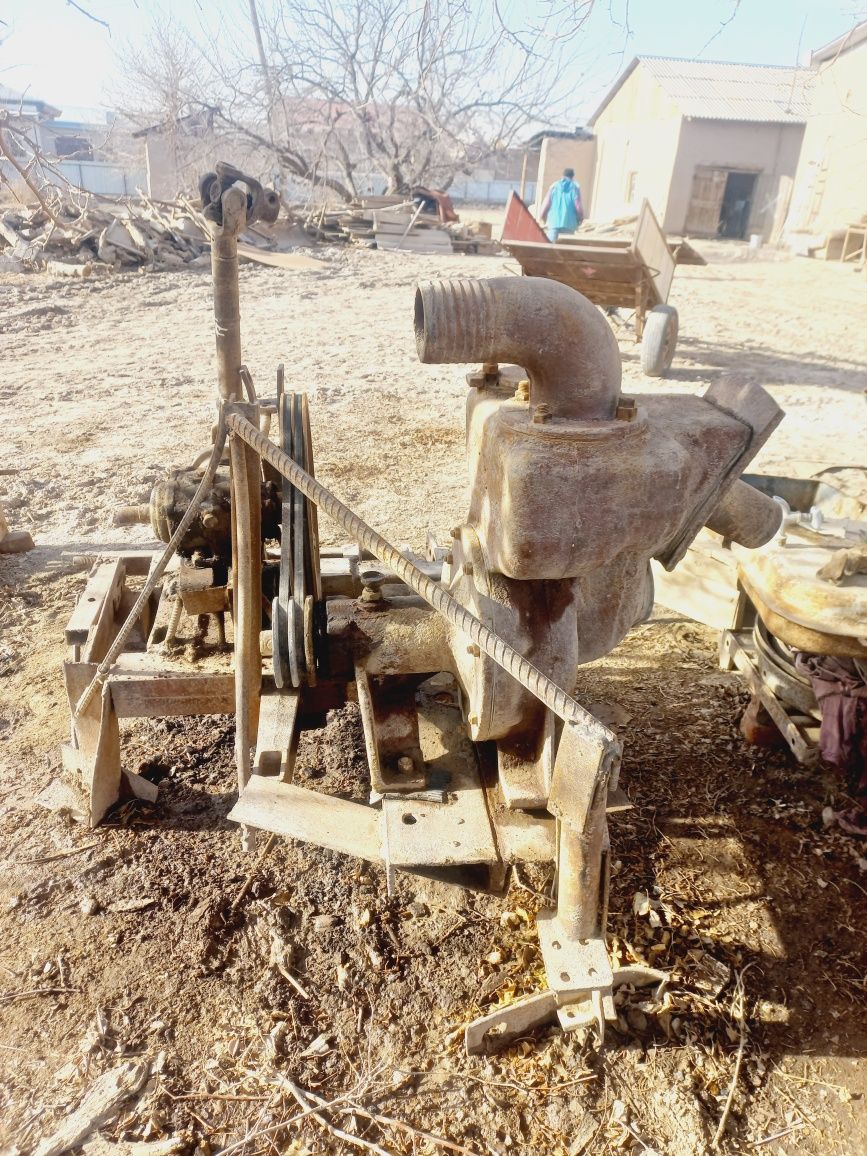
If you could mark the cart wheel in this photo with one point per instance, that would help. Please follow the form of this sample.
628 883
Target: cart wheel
659 340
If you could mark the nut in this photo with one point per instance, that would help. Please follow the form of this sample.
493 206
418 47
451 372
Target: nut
468 567
541 413
405 765
522 393
455 531
474 650
626 409
491 369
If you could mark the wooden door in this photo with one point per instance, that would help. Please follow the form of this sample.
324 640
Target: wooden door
708 187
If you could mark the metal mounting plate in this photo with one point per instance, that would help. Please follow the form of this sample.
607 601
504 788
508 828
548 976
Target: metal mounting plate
458 831
573 967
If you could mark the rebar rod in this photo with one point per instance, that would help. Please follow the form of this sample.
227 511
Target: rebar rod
539 684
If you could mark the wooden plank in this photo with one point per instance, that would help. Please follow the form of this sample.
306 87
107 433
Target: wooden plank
277 740
337 577
87 610
425 241
703 586
651 246
705 204
586 239
574 253
98 741
267 804
168 694
278 260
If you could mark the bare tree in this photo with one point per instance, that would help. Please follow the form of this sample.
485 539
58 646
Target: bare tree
352 93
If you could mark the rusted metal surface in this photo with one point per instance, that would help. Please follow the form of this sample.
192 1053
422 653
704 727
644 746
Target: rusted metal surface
746 516
565 345
210 530
572 490
596 500
519 224
539 684
231 200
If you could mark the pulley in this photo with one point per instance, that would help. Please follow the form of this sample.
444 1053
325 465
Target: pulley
297 611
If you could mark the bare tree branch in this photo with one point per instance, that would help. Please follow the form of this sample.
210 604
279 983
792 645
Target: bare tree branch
89 15
355 94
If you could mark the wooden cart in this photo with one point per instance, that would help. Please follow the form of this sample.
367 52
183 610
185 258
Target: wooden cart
612 272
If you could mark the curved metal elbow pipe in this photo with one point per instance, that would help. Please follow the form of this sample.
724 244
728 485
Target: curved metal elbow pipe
554 333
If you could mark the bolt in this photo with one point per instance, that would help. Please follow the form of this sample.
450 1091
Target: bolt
474 650
210 520
541 413
468 567
491 369
473 720
405 765
368 594
449 558
522 393
455 531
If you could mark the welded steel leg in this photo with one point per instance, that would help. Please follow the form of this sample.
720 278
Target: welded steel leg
580 865
227 308
247 583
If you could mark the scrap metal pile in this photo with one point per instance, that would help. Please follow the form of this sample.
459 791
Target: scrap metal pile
81 236
87 234
461 657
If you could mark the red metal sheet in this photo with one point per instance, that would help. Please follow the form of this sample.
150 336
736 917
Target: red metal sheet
520 224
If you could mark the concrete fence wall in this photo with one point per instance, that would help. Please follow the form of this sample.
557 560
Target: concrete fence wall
94 176
490 192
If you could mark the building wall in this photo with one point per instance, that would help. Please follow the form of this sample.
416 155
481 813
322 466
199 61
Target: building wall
831 180
636 146
558 154
771 150
164 179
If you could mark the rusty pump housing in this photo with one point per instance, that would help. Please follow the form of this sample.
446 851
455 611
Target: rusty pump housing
462 658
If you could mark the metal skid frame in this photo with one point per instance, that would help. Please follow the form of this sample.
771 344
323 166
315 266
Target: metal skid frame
433 809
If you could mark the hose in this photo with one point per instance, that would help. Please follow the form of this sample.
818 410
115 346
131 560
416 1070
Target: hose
204 488
529 676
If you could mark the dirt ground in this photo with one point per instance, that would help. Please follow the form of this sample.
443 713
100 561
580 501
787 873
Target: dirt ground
125 944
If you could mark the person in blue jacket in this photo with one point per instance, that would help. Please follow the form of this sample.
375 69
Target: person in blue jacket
562 210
